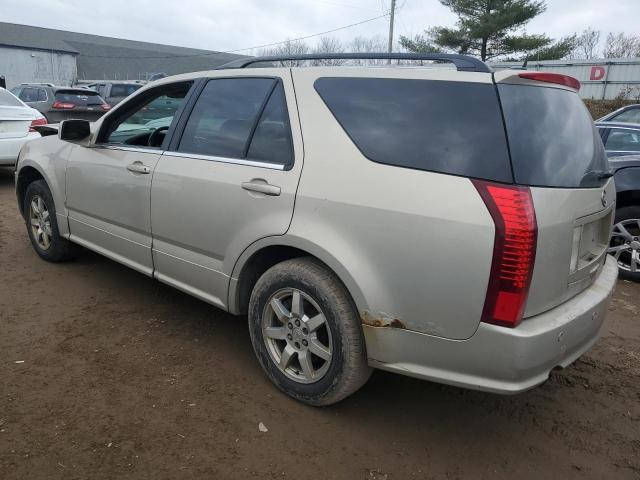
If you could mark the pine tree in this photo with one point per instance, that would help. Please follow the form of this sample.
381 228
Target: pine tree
490 29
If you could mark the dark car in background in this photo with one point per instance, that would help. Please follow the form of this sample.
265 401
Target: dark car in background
620 138
627 114
625 241
114 92
62 103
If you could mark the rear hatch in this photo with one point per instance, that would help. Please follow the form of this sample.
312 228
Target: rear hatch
77 103
557 152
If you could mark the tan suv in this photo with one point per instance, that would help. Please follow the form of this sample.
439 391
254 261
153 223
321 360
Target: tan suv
444 223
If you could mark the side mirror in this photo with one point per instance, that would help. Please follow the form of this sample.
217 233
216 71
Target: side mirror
74 130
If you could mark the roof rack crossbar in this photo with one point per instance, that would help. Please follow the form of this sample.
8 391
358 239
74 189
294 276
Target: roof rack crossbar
462 62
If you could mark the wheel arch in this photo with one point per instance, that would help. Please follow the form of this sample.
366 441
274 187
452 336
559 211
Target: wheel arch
627 187
26 176
267 252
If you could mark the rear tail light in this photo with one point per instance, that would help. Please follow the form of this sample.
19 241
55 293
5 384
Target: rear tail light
63 105
514 251
105 106
547 77
36 122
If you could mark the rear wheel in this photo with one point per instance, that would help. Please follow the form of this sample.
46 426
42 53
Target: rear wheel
42 225
306 332
625 242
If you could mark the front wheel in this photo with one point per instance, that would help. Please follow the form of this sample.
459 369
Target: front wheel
42 224
306 332
625 242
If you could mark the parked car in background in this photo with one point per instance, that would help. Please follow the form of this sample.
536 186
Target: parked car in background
628 114
114 92
478 260
16 126
620 138
625 241
60 103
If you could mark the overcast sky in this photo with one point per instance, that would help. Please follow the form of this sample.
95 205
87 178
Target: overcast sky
235 24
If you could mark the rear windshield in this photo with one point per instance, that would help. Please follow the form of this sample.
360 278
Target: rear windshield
8 100
553 140
123 90
440 126
79 98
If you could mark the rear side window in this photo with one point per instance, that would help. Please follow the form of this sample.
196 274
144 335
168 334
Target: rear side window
123 90
621 139
31 94
553 140
9 100
229 111
440 126
84 98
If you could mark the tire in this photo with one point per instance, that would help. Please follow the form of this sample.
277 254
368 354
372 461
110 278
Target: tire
629 217
323 297
38 197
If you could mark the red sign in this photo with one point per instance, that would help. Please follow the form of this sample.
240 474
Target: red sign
597 73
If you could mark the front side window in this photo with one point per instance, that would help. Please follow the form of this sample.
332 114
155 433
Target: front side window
147 119
623 140
240 118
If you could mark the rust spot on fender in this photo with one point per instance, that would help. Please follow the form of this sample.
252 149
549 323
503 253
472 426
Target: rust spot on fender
383 320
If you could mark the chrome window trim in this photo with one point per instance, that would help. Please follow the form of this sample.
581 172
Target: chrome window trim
130 149
233 161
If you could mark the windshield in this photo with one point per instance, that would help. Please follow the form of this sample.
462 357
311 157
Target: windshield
552 138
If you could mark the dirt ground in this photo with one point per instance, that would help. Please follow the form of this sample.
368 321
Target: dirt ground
106 374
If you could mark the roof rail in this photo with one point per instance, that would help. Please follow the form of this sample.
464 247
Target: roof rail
46 84
462 62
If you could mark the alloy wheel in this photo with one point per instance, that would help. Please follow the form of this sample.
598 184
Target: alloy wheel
40 222
297 335
625 244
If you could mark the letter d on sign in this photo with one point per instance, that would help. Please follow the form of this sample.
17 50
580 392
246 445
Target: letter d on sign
597 73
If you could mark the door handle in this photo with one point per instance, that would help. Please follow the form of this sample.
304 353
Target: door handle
264 188
138 167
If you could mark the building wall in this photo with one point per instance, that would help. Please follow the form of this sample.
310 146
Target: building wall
21 65
603 78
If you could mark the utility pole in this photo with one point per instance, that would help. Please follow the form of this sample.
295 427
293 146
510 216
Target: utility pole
391 19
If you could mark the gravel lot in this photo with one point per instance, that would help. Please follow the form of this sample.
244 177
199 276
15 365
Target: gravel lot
108 374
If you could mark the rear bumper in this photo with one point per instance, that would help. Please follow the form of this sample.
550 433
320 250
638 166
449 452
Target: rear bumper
10 148
498 359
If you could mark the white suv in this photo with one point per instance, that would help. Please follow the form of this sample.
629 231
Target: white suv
446 223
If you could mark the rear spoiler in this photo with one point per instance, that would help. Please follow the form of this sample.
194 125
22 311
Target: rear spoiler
46 130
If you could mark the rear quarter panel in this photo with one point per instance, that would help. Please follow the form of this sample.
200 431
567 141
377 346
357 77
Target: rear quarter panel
417 244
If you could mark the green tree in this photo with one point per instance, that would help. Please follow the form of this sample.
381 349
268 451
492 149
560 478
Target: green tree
490 29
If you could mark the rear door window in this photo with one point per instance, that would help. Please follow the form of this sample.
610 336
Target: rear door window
79 98
225 116
623 140
553 140
440 126
629 116
271 141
